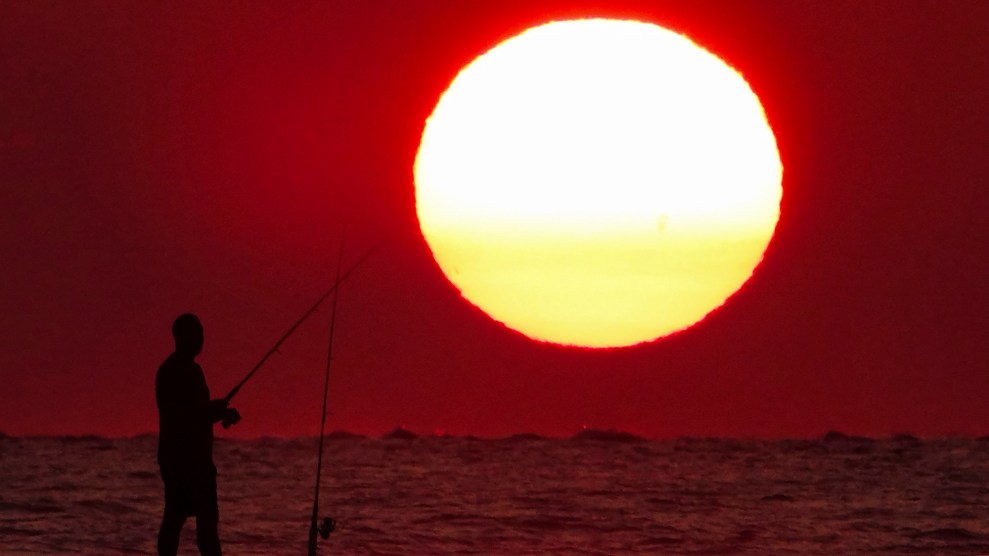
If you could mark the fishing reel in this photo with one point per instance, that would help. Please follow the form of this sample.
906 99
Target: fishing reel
326 527
323 529
232 417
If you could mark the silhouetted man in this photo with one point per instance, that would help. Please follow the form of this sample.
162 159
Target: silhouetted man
185 442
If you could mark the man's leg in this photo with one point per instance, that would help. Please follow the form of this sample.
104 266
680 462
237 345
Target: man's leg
168 535
207 531
208 520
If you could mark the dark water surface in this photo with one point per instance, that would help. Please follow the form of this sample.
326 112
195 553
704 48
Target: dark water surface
521 495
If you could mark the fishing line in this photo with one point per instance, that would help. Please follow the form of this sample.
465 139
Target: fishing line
315 306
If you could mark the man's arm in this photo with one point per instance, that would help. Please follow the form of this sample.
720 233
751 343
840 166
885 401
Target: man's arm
216 410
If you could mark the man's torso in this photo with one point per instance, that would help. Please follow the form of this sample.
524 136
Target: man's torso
185 440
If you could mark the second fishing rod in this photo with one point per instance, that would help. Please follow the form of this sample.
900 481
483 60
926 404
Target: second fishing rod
328 524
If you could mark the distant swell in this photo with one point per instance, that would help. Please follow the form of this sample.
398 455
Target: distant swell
525 437
401 434
607 435
836 436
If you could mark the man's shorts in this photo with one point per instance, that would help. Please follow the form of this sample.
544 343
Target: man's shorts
190 493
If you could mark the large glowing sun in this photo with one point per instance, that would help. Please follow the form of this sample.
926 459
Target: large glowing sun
598 182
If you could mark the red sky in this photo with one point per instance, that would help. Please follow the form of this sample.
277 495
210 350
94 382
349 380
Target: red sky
162 158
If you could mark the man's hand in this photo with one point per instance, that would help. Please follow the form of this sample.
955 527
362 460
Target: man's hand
230 417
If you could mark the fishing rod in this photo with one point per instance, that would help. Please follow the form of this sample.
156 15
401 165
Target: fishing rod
306 315
328 524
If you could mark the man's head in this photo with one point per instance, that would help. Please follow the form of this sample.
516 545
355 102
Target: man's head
188 334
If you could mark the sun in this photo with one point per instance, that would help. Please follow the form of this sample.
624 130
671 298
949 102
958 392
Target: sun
598 182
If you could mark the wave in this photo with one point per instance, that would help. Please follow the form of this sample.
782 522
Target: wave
948 534
656 542
778 497
838 436
906 438
12 531
31 507
607 435
106 506
345 435
72 438
524 437
400 433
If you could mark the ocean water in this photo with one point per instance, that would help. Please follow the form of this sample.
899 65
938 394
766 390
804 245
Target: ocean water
592 494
